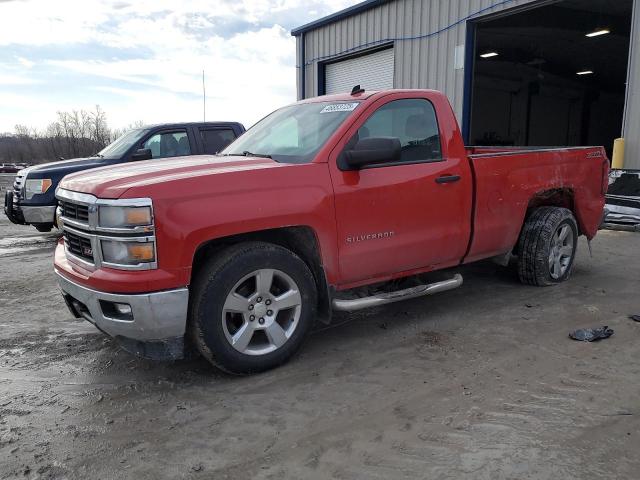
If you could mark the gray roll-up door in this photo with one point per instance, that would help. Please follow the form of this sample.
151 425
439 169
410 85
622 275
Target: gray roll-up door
372 72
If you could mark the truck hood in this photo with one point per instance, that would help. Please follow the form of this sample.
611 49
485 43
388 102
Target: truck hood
114 181
45 170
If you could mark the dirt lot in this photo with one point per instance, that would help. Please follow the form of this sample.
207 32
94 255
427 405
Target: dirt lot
480 382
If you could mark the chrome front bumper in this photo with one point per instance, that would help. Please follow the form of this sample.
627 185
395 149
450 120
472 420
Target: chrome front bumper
38 214
156 329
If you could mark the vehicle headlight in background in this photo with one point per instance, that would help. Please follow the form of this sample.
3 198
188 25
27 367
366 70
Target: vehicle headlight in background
127 253
59 221
123 217
36 186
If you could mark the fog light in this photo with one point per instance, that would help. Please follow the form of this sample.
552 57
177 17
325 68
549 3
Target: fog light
117 311
122 308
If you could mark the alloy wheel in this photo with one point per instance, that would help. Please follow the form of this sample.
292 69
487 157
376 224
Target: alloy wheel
261 312
561 251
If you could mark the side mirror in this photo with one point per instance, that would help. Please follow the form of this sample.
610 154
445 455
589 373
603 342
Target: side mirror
372 151
142 154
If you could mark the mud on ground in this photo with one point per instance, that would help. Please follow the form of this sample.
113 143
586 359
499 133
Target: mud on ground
480 382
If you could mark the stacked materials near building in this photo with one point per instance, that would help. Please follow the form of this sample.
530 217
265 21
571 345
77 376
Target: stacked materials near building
622 210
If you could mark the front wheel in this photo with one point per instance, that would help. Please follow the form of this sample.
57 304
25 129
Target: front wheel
252 307
547 246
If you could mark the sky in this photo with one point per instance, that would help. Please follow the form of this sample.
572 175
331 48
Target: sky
142 60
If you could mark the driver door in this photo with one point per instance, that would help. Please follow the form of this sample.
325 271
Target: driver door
398 217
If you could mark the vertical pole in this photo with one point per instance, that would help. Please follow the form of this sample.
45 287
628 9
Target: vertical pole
302 94
467 93
628 84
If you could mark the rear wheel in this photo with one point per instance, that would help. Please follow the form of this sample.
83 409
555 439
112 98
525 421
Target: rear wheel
252 307
547 246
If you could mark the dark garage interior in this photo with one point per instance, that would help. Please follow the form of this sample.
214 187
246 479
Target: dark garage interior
539 79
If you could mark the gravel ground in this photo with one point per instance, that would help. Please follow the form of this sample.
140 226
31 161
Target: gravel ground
481 382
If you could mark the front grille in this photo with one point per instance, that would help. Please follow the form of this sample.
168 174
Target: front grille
75 211
78 246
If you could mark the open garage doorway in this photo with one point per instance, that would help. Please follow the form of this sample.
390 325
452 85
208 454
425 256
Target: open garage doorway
551 75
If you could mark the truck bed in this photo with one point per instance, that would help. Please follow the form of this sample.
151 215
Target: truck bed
478 150
506 179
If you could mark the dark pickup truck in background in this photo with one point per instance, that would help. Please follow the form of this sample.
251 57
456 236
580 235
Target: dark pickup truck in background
32 200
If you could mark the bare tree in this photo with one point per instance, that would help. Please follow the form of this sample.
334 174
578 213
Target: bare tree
73 134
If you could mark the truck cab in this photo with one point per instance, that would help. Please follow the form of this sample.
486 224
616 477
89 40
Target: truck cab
32 200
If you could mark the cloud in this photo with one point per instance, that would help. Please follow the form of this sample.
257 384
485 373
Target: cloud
143 59
24 62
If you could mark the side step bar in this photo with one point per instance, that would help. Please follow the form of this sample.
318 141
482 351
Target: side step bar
391 297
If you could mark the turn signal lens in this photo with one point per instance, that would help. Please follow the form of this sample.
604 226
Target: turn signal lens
142 252
138 216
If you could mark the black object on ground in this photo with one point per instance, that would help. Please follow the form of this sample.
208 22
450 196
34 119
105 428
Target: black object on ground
635 318
591 334
627 184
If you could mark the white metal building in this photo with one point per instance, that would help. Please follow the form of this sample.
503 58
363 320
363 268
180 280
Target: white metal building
518 72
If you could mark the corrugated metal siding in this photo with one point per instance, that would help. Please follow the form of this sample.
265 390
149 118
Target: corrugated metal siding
372 72
424 63
632 107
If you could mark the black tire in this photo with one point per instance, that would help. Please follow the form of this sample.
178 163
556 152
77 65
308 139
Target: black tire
214 283
536 245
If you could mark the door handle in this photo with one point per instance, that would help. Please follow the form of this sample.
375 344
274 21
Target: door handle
448 178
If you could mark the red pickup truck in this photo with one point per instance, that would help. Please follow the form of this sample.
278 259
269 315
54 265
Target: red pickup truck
238 254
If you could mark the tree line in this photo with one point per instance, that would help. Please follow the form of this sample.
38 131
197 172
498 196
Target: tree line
77 133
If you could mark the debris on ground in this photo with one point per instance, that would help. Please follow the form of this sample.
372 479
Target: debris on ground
635 318
591 334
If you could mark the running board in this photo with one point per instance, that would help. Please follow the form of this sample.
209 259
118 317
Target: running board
391 297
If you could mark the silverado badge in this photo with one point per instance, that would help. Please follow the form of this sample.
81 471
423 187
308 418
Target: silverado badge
369 236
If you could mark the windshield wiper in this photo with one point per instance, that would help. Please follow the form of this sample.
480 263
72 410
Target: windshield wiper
97 155
246 153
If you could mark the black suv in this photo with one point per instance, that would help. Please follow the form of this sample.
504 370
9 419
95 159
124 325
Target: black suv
32 200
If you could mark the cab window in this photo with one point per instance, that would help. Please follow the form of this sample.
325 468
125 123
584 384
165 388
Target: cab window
413 122
215 139
168 144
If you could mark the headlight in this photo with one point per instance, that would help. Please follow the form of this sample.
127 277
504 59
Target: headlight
59 223
36 186
123 217
127 253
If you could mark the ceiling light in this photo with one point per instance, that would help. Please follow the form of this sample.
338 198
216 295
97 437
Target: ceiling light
597 33
584 72
489 54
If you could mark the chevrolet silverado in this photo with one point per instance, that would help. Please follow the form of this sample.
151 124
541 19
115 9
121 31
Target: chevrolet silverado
237 255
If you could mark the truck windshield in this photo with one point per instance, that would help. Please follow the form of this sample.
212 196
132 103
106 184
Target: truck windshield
118 147
293 134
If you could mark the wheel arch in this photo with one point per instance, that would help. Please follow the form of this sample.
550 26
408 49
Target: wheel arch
301 240
563 197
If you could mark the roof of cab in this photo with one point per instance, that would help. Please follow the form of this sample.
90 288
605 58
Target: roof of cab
189 124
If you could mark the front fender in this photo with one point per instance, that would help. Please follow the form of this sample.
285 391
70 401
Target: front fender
296 196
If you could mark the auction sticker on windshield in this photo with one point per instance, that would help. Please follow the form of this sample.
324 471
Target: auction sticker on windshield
339 107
